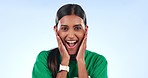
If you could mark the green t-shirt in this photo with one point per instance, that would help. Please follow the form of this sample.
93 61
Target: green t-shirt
96 66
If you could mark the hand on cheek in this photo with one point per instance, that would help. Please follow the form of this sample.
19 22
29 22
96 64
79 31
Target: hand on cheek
82 49
62 48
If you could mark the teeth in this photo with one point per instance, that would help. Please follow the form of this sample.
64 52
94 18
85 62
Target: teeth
71 42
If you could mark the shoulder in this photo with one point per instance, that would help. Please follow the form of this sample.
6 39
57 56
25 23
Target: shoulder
96 64
94 54
42 55
40 69
95 57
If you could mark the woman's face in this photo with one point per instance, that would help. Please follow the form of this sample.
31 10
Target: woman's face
71 29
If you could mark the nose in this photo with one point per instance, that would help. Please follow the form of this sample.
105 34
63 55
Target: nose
71 34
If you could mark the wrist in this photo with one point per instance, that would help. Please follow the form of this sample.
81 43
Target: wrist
65 62
82 61
64 68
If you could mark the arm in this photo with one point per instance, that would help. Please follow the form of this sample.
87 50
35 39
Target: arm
63 74
40 69
81 60
64 54
82 68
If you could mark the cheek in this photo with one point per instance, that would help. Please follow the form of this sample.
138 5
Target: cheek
80 35
62 34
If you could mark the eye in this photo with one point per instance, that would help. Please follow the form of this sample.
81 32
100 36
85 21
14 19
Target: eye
77 28
64 28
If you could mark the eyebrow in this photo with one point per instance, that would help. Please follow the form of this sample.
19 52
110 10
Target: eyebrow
73 25
64 25
77 25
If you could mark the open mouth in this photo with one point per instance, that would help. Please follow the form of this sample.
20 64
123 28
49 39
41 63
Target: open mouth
71 43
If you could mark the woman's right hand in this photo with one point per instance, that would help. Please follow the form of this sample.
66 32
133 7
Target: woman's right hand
62 49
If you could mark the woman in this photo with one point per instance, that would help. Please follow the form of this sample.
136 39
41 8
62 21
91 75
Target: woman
70 59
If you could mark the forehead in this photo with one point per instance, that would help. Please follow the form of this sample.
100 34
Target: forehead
71 20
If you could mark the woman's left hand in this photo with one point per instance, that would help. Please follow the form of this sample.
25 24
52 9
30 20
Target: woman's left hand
82 49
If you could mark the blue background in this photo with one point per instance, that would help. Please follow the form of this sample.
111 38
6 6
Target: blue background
118 29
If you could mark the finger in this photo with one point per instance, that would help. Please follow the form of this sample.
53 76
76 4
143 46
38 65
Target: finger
62 48
86 30
59 44
82 48
84 40
59 41
83 45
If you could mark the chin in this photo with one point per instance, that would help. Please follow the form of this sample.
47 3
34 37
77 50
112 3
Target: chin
72 52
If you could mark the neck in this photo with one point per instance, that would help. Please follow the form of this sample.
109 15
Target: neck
73 57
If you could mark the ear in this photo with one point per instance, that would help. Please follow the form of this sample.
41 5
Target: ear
86 29
55 29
